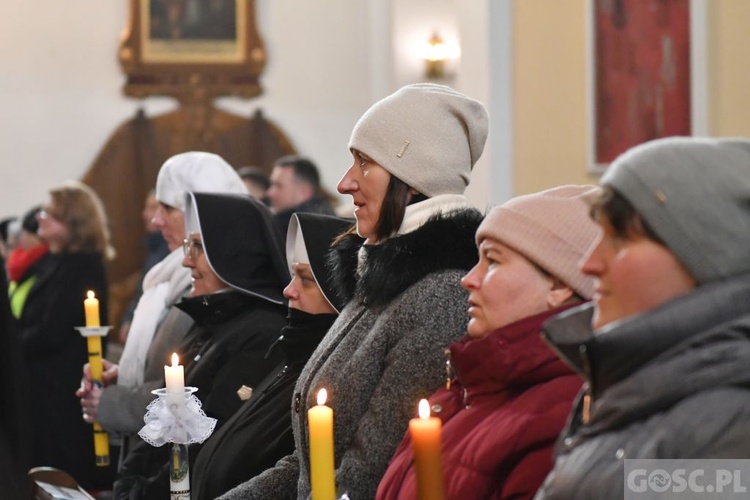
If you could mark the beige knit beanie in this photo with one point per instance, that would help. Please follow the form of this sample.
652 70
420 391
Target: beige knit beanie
429 136
551 228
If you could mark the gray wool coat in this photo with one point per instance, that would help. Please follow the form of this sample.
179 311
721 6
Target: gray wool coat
383 353
671 383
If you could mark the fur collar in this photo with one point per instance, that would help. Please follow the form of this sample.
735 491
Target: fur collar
445 241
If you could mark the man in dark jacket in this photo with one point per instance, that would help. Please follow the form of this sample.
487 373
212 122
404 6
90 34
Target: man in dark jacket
295 187
664 348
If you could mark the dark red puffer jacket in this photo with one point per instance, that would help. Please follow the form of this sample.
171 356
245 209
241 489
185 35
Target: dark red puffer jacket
501 417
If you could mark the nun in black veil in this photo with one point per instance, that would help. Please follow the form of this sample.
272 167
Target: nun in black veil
235 254
260 433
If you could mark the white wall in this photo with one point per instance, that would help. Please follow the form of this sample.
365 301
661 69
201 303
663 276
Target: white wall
59 93
60 86
328 60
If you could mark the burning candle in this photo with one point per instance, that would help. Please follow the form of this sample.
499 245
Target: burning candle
175 378
426 440
94 343
320 423
91 306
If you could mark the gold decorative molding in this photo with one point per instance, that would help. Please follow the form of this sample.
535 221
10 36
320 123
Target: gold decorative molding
193 50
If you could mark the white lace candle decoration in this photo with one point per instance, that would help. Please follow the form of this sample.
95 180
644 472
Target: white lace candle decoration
177 418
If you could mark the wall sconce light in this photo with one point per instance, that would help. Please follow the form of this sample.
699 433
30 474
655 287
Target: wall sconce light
436 53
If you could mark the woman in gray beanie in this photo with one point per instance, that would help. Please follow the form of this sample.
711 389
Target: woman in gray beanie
400 275
664 348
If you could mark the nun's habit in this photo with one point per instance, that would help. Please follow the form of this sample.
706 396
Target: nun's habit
234 327
260 433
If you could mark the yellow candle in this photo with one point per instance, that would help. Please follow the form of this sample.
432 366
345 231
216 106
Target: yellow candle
175 378
426 439
101 439
91 306
320 423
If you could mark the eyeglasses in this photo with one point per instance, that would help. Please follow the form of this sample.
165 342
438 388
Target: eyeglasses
192 248
46 213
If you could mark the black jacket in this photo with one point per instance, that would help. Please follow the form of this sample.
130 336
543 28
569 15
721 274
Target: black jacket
14 427
54 353
260 433
233 330
225 349
315 205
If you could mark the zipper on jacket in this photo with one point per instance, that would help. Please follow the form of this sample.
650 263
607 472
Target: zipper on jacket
452 373
587 397
448 370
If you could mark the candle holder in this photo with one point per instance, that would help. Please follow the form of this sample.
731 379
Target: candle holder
179 421
93 335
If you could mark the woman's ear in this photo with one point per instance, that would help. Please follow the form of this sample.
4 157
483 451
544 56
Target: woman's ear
558 294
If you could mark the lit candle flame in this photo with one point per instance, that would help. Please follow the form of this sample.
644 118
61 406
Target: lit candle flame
90 294
322 395
424 409
175 359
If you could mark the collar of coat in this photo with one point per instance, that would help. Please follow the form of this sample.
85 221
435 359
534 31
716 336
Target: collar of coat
648 362
217 308
445 241
513 357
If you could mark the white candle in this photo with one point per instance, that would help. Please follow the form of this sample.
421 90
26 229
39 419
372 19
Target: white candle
175 378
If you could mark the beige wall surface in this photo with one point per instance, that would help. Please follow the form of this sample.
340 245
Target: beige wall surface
549 79
550 86
728 27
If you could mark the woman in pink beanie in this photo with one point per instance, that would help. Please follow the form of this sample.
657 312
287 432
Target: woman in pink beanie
508 395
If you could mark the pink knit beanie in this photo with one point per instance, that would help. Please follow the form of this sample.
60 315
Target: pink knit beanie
551 228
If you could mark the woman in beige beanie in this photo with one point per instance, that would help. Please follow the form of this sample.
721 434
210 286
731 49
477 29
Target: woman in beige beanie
508 394
399 274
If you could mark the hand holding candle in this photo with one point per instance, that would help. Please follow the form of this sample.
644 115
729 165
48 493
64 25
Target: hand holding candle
320 424
91 308
426 439
175 378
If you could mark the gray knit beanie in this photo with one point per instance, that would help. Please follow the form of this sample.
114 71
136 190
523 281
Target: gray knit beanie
429 136
552 229
694 193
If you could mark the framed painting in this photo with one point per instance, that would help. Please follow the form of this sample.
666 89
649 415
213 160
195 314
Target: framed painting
641 83
170 46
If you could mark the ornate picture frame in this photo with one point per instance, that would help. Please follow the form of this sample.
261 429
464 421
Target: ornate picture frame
180 47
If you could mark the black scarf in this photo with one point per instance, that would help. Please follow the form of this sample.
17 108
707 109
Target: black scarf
302 335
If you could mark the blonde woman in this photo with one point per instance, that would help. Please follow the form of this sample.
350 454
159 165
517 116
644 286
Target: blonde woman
74 225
